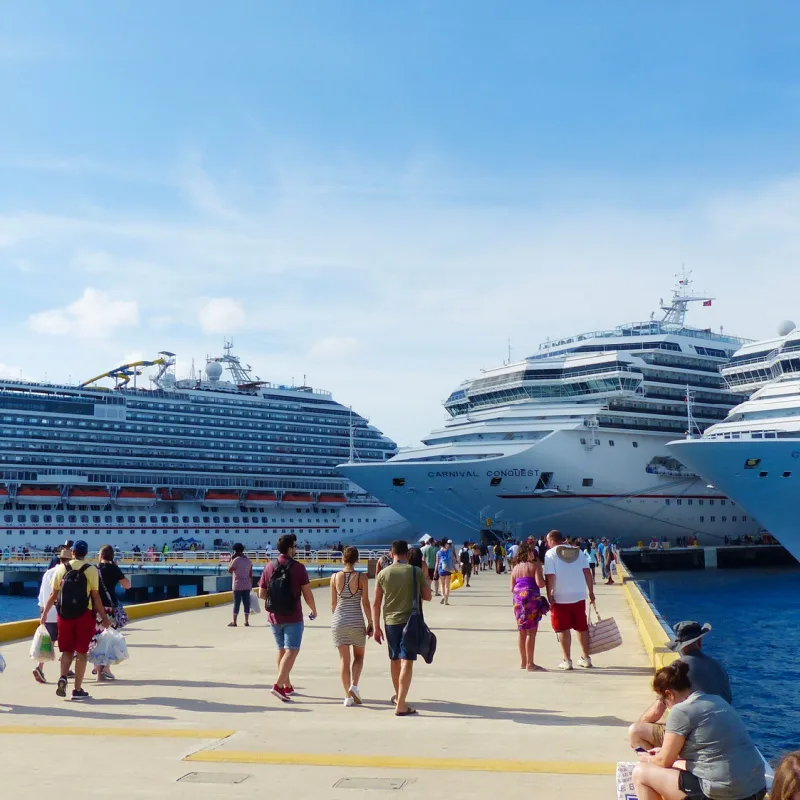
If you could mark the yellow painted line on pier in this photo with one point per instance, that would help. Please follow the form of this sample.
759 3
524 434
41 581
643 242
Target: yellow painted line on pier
129 733
402 762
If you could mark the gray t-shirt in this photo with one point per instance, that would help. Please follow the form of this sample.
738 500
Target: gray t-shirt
718 748
708 675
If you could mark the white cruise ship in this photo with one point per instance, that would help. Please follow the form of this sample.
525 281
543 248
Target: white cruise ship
201 460
754 454
574 437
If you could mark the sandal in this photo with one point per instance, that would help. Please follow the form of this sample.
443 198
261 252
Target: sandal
409 713
232 625
393 701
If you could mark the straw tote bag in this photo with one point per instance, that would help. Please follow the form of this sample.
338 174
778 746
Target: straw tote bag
603 633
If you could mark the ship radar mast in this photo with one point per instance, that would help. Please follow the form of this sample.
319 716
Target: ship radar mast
675 313
242 374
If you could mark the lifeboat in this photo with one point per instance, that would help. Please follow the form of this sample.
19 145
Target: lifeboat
261 499
130 496
222 497
331 500
171 494
3 494
88 495
298 498
38 494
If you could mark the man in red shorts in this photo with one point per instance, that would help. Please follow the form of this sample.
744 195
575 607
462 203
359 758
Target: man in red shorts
569 579
77 599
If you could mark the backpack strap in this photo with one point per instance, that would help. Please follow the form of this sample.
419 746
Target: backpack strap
84 568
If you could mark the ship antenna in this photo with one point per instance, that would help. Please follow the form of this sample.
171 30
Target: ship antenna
352 457
692 424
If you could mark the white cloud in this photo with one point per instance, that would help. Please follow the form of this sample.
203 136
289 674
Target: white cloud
222 315
7 371
95 315
334 347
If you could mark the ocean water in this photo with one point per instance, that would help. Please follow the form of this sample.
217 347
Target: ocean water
755 615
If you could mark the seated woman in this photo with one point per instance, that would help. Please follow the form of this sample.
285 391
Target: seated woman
786 785
719 760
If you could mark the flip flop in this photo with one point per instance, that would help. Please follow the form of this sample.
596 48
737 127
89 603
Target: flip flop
232 625
393 701
409 713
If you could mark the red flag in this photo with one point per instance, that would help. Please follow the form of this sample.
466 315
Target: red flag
707 303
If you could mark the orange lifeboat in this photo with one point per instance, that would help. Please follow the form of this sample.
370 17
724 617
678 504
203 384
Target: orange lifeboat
222 497
88 495
331 500
261 499
170 494
38 494
134 496
298 498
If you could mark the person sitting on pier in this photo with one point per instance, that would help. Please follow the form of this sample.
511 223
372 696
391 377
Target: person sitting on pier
717 756
786 784
706 674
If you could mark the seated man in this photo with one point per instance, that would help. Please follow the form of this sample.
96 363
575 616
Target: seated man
706 674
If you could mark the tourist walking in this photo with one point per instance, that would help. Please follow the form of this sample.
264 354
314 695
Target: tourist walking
429 555
51 623
283 585
591 555
445 567
394 592
706 675
111 576
499 557
717 756
465 559
527 581
568 580
608 557
350 607
601 554
76 596
241 568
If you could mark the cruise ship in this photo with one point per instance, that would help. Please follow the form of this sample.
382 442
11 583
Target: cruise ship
217 458
754 454
574 437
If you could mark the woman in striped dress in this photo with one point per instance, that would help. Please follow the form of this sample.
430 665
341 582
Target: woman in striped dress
350 606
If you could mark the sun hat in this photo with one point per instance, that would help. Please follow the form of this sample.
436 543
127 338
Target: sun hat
688 632
65 553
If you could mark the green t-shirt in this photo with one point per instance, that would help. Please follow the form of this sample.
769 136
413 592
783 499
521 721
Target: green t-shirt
397 583
429 554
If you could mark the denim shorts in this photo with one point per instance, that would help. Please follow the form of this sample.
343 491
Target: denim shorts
289 635
394 639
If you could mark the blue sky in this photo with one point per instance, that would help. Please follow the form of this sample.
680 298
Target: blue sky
378 196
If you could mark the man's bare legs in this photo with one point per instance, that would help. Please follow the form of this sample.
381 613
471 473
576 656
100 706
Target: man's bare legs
394 667
286 659
404 684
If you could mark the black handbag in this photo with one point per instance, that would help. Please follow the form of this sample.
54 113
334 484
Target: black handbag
418 638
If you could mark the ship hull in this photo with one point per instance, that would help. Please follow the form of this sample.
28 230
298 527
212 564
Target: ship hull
605 491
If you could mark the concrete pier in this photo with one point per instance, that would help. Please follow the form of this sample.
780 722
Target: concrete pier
191 713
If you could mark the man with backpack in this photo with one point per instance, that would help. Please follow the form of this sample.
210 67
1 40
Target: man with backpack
465 559
283 583
76 597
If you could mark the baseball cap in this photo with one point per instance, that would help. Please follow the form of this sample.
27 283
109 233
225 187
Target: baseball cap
80 548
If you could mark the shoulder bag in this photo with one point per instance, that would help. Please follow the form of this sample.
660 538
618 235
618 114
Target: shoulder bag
603 634
417 636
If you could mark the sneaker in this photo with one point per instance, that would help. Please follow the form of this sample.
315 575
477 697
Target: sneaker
61 688
277 691
348 702
289 690
80 694
38 674
565 665
585 662
441 602
355 695
71 674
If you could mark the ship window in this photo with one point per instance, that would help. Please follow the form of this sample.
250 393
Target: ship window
713 519
184 520
635 444
702 519
48 518
588 481
679 502
724 519
153 519
236 519
84 518
786 475
142 519
96 520
495 481
216 520
59 517
175 519
119 519
752 463
131 520
398 481
196 520
8 518
700 502
744 519
163 519
711 502
763 474
610 442
226 519
666 502
733 519
583 440
34 517
689 502
722 502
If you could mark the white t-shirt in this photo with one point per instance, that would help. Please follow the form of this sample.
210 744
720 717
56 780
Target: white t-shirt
570 585
46 590
513 550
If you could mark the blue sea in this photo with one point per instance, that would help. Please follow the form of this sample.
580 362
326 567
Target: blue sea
755 615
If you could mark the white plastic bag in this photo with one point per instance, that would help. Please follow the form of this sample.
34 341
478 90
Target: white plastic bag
255 603
625 788
109 648
42 646
2 664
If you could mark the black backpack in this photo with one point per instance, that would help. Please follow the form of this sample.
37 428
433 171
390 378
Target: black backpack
73 593
280 596
465 557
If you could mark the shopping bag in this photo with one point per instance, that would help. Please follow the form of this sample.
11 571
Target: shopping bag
456 581
108 648
42 645
255 603
603 633
625 787
417 636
